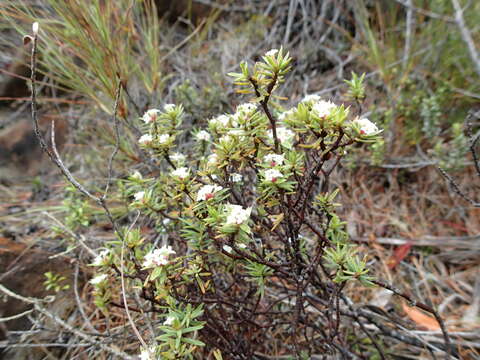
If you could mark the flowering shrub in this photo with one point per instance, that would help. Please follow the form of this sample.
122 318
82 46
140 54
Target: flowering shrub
246 253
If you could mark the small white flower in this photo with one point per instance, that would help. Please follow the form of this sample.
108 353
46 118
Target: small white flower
178 158
284 135
169 320
163 139
286 114
221 120
207 192
272 175
203 135
101 258
148 354
181 173
274 159
139 196
97 280
237 215
272 52
35 27
151 115
226 139
212 159
227 248
246 108
242 246
366 126
323 108
145 139
169 107
311 98
166 221
236 177
158 257
136 175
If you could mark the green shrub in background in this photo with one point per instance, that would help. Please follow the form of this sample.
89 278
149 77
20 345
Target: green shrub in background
427 78
88 46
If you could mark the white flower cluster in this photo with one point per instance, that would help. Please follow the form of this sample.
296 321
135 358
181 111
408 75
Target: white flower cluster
212 159
99 279
366 126
169 320
137 175
139 196
323 108
157 257
272 52
285 115
236 177
284 135
151 115
274 159
101 258
181 173
311 98
221 120
272 175
203 136
148 354
229 249
246 108
207 192
237 215
226 140
169 107
145 139
163 139
178 158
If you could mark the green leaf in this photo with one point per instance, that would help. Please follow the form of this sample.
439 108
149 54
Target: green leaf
193 341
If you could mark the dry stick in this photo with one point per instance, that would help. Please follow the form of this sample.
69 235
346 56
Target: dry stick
473 139
55 157
79 302
423 307
473 143
13 317
124 296
117 140
408 4
408 35
67 230
466 35
38 307
456 188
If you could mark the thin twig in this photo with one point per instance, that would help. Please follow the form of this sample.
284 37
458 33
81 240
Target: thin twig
408 4
117 140
408 34
124 292
17 316
466 35
456 188
39 307
55 157
422 306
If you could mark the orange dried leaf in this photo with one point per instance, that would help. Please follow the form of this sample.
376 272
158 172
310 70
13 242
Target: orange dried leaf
421 319
400 253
